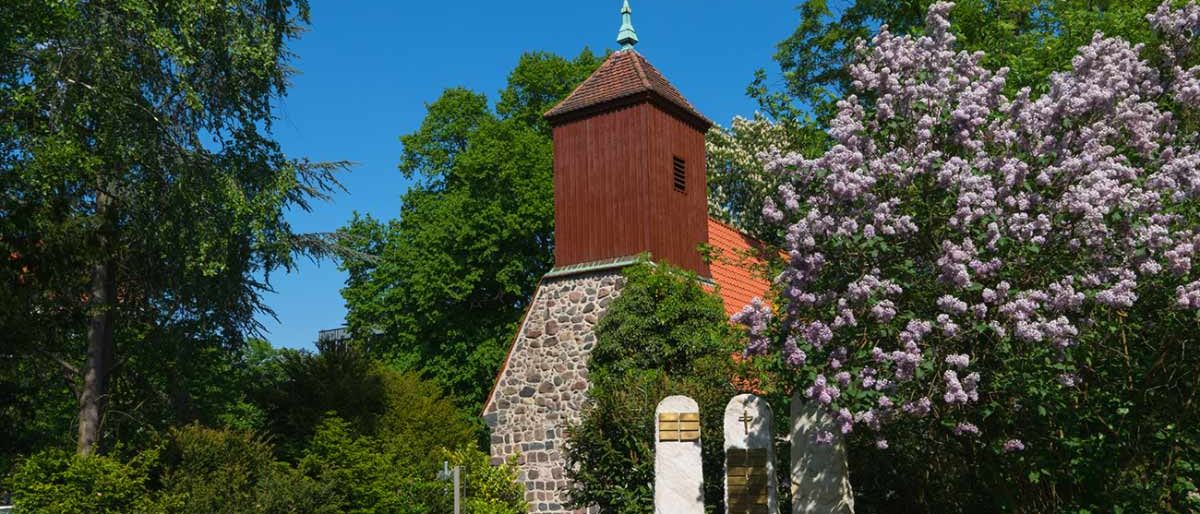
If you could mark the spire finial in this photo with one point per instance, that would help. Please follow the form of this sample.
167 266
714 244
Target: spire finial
627 37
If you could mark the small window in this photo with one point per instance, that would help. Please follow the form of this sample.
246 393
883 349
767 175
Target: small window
680 175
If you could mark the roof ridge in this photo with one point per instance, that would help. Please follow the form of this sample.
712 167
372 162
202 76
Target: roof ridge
637 65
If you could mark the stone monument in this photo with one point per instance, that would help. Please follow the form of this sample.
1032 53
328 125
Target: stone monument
750 484
678 471
820 480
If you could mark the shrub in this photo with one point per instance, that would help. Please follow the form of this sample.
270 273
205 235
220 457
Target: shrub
376 476
339 379
419 418
65 483
210 470
487 489
663 320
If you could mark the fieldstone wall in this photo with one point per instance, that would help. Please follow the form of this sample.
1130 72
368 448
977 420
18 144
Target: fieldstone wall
544 384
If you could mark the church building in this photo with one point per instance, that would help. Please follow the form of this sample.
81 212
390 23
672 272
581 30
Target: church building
629 179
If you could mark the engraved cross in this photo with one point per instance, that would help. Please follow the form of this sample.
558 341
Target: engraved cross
746 419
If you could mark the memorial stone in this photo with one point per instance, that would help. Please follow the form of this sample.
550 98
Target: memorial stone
750 484
820 481
678 472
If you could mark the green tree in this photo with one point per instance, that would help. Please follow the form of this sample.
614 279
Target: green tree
339 381
1033 38
737 180
371 399
141 178
474 236
664 335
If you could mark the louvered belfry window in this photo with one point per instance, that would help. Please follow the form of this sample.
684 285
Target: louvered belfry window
680 175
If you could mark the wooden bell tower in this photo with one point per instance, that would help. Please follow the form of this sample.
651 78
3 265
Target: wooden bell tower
629 166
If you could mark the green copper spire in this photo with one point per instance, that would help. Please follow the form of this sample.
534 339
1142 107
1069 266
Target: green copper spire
627 37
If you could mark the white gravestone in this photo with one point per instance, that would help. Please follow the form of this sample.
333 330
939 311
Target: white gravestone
820 481
678 472
750 482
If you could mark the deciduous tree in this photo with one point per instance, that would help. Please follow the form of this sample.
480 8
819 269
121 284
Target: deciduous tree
474 234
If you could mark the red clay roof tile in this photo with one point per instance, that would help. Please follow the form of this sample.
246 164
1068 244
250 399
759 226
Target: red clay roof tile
623 75
735 269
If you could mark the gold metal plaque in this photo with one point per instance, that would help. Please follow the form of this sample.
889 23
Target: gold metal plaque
746 480
679 426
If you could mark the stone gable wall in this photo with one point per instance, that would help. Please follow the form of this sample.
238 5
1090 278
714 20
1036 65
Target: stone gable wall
544 384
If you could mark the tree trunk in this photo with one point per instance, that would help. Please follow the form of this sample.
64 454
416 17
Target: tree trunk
100 332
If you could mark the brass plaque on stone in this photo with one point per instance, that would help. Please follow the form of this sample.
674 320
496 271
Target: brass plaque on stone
747 480
679 426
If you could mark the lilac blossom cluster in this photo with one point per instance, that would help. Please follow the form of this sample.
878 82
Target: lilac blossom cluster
1095 170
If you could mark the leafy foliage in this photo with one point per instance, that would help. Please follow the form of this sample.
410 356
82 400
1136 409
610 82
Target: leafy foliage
206 470
375 475
386 462
474 236
663 320
58 481
143 194
1033 38
664 335
970 282
737 181
338 380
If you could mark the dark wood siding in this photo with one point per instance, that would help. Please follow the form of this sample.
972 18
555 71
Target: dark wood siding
614 192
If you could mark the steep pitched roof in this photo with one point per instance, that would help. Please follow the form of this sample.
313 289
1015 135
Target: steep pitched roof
735 269
625 77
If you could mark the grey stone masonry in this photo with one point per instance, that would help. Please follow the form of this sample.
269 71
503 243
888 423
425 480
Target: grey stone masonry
543 385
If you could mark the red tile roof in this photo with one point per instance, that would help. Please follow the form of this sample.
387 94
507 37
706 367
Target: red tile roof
735 269
624 76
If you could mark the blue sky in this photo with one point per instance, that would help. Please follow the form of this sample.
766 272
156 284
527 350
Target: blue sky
367 69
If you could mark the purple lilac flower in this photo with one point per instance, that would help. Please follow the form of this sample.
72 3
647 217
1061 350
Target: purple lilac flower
965 428
884 311
845 421
823 437
918 408
960 361
817 334
822 391
1096 142
793 355
951 305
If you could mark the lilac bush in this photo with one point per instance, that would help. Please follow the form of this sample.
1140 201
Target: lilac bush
954 225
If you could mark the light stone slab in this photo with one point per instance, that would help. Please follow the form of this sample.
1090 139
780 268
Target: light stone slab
748 425
820 479
678 472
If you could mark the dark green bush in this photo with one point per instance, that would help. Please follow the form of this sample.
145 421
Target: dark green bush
664 320
390 465
210 470
65 483
199 470
373 476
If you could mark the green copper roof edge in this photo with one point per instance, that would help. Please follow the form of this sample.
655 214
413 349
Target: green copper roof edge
592 267
610 264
